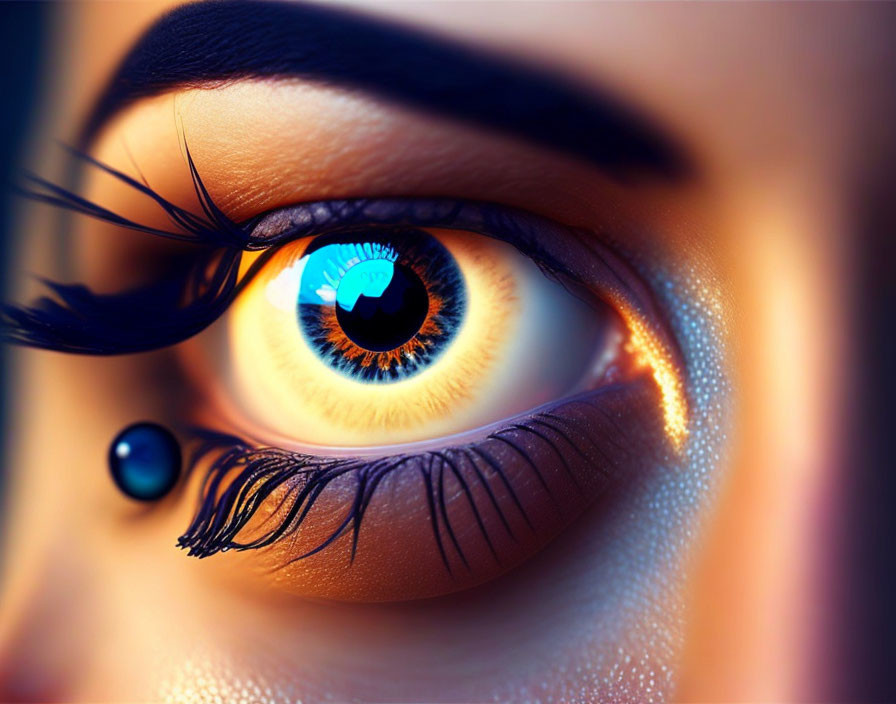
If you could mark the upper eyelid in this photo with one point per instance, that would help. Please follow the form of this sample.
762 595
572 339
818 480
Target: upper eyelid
49 325
608 274
513 225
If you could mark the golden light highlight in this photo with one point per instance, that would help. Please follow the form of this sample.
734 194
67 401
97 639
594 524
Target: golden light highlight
649 351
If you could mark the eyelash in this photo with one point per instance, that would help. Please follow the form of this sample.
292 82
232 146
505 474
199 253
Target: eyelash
84 322
197 292
259 472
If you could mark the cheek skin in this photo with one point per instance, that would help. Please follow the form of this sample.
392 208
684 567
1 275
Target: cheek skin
786 455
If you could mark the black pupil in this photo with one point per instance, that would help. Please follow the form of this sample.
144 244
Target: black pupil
382 323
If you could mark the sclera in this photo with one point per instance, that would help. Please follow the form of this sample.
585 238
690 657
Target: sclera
524 341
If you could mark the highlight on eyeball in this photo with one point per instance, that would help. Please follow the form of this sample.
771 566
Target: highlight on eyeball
446 352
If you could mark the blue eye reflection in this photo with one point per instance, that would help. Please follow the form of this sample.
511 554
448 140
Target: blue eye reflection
369 278
326 268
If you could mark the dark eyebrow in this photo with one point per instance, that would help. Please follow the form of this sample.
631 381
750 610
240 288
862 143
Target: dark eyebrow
213 41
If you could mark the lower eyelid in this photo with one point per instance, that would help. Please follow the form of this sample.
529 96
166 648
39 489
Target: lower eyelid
494 502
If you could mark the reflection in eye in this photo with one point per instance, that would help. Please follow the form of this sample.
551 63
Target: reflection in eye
380 337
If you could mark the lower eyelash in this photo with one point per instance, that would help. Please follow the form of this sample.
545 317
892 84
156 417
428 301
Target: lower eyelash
582 440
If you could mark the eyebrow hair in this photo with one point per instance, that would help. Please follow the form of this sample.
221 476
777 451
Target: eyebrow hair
214 41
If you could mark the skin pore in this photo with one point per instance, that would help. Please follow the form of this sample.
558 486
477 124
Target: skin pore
678 591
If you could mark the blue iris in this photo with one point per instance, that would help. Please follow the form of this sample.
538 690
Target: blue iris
381 305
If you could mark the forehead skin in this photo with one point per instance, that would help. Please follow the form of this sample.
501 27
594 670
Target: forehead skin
766 96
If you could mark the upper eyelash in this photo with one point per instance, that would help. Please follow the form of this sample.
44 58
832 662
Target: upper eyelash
181 305
214 228
241 478
154 316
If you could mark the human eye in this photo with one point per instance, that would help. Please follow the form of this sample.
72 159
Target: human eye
396 336
425 383
429 423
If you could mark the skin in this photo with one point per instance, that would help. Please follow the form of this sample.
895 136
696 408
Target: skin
98 605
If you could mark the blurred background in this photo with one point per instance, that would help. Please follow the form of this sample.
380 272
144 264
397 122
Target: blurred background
862 627
23 33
